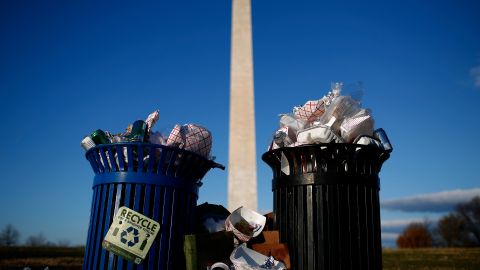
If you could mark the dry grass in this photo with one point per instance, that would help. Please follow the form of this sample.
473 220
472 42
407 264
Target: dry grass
393 259
431 258
40 257
63 263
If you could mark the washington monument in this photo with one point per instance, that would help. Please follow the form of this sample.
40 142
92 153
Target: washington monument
242 166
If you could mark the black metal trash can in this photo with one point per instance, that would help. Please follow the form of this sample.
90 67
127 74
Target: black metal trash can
326 204
157 181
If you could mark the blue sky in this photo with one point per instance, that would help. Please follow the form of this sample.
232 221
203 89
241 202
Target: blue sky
69 68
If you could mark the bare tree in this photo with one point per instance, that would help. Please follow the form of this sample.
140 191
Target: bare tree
452 231
416 235
470 212
9 236
461 227
36 240
63 243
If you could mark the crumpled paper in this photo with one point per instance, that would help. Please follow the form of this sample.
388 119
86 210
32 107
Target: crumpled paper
191 137
359 124
311 111
245 223
152 119
334 118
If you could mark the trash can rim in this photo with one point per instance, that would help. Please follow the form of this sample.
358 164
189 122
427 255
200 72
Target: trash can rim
213 164
384 153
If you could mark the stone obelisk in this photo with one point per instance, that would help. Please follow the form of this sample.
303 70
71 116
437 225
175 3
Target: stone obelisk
242 166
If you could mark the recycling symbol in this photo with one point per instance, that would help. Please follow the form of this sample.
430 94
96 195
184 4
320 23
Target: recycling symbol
124 236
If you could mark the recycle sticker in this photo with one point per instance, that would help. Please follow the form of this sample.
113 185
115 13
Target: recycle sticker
131 235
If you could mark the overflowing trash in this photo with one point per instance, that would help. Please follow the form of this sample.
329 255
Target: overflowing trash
322 151
244 258
335 118
189 137
240 244
219 265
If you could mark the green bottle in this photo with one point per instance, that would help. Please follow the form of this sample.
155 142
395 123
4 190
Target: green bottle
139 131
99 137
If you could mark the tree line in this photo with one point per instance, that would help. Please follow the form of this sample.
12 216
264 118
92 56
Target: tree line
9 236
459 228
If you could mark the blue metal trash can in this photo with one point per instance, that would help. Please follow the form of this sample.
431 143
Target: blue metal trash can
157 181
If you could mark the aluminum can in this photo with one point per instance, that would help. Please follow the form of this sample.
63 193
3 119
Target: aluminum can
381 135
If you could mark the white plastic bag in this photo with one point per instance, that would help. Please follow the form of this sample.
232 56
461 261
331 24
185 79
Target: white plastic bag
317 134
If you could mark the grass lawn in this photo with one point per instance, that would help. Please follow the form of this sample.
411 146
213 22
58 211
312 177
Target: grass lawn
431 258
41 257
393 259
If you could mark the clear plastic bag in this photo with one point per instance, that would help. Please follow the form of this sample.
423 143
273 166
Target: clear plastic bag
313 110
293 124
341 108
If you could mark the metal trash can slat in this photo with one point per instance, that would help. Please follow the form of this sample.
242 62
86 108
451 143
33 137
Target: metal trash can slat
326 204
163 186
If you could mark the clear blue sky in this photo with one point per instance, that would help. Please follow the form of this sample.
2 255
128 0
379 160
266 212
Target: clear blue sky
68 68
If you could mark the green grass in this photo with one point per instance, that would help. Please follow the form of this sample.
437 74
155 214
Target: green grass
431 258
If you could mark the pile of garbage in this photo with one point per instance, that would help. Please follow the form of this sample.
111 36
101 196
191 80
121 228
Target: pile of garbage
191 137
335 118
229 241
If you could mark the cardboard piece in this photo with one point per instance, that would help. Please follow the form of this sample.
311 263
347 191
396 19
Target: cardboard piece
268 243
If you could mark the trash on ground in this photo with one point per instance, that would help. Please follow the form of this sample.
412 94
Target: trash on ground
245 223
244 258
